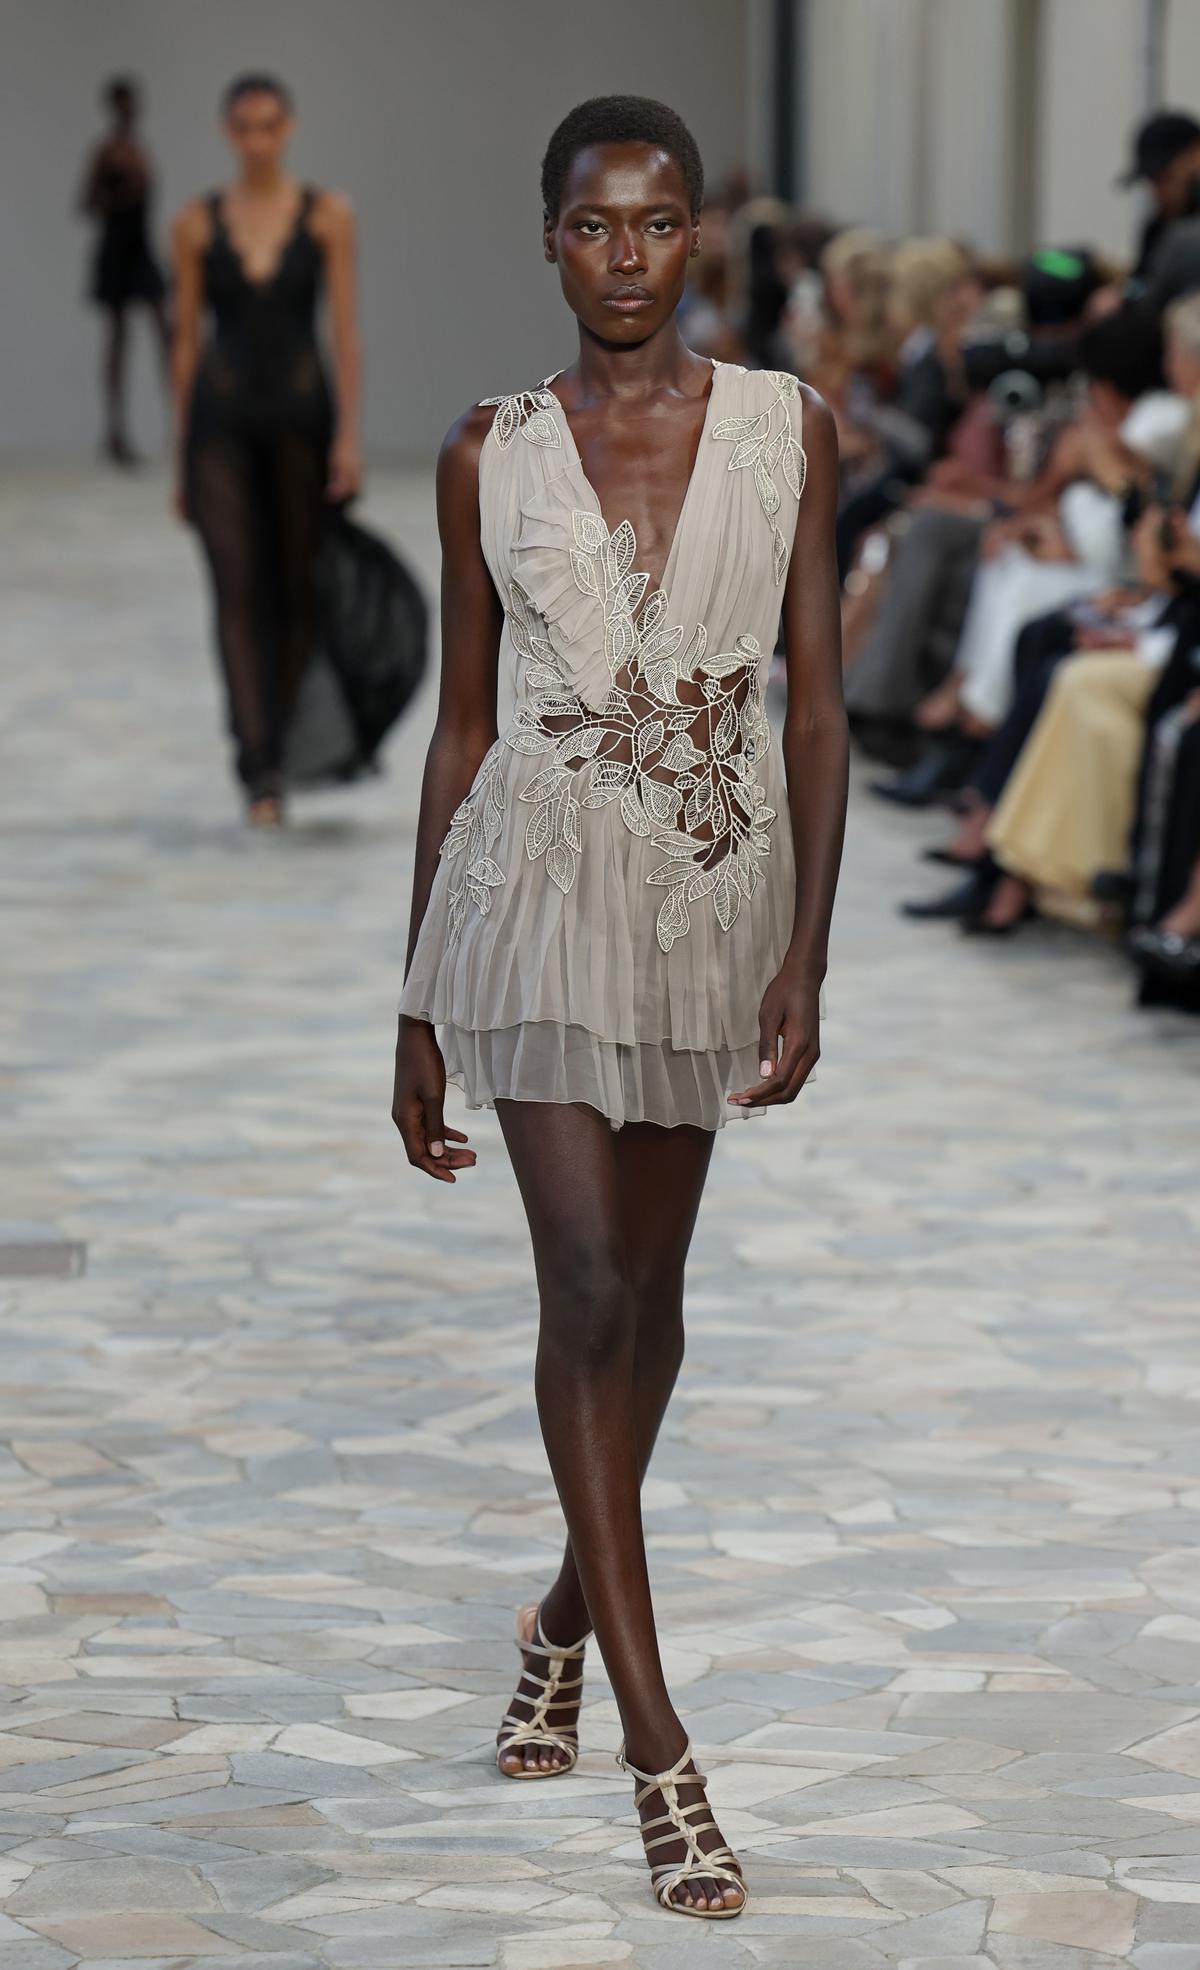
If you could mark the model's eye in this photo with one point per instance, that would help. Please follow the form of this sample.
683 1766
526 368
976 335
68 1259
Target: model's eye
590 227
661 227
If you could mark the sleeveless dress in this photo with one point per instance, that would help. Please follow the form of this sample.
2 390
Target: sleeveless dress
260 422
617 889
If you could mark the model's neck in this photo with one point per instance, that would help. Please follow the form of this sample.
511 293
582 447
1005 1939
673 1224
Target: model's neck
640 369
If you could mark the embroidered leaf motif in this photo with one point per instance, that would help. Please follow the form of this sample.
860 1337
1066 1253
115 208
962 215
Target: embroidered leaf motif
726 731
722 664
654 611
547 781
571 824
540 429
768 491
673 919
794 467
588 529
560 865
745 453
485 870
539 830
584 573
779 554
633 813
530 741
680 754
624 547
647 739
740 427
609 776
727 901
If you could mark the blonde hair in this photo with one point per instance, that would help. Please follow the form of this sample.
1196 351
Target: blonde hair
1182 322
860 258
923 270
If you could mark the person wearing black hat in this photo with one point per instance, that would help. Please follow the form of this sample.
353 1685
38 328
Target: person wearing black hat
1166 157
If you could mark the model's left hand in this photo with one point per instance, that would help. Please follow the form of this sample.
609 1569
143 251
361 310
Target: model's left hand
789 1040
345 470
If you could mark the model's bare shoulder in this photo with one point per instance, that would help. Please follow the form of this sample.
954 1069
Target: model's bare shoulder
332 216
464 440
820 430
192 226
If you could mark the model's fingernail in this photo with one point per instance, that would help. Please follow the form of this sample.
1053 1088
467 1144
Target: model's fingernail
437 1149
764 1068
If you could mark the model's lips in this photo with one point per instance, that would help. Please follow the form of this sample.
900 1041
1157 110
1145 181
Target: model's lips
629 299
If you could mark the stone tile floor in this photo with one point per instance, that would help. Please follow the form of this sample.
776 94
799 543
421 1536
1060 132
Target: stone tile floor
923 1522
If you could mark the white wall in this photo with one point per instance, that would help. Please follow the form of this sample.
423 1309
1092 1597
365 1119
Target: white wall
433 118
1090 99
912 109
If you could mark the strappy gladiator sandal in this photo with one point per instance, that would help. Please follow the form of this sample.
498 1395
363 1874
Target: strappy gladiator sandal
555 1689
719 1864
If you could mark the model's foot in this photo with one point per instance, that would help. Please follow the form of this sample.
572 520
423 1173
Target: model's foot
560 1715
265 812
1007 908
703 1893
119 450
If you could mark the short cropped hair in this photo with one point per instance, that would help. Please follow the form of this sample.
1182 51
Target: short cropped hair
256 84
620 120
1124 349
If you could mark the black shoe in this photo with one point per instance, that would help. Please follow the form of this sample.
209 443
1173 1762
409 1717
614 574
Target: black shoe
977 925
1114 886
943 770
1166 951
968 898
950 861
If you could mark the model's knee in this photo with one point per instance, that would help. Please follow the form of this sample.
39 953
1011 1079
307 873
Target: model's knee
658 1297
588 1313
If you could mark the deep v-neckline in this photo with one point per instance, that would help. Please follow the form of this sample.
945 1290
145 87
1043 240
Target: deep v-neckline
681 517
287 241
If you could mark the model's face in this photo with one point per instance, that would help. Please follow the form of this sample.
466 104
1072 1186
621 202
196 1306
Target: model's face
622 240
259 129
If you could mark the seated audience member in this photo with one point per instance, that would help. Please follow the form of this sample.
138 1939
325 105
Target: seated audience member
1147 618
1073 544
1165 939
1166 159
935 294
909 645
1067 809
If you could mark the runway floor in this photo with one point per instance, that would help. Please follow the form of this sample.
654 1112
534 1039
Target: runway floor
923 1522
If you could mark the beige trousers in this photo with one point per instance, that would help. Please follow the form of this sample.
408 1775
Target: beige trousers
1068 807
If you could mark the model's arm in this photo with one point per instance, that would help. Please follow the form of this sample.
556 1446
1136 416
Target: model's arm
189 238
333 223
816 754
472 620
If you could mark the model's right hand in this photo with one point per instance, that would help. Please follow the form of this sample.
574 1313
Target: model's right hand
417 1100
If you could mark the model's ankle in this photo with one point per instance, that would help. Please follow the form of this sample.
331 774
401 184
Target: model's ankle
655 1744
564 1617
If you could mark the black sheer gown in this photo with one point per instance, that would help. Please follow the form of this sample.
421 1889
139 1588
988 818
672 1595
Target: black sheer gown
256 456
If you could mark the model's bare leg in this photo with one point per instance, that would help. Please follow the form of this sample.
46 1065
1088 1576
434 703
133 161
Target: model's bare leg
568 1165
116 345
666 1169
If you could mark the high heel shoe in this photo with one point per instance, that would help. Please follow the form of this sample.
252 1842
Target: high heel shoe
719 1864
536 1729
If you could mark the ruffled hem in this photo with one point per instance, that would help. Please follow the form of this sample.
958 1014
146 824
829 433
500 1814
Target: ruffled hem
541 1060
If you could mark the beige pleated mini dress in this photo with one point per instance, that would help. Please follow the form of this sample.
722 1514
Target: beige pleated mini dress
617 889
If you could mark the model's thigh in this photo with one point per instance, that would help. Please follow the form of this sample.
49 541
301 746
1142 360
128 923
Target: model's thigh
661 1175
565 1161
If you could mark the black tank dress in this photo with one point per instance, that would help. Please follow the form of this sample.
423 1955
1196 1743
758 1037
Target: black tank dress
256 458
124 269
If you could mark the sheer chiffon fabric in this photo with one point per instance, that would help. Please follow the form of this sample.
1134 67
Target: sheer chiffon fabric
617 889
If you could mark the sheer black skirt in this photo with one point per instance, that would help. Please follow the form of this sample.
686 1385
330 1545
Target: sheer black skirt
255 486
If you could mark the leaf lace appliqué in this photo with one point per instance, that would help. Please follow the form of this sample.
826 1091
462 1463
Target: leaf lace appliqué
676 740
531 412
473 833
765 446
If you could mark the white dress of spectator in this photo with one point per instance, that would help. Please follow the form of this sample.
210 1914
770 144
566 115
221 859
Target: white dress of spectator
1014 588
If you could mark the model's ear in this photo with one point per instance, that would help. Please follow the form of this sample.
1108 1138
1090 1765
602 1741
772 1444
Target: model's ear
548 237
694 249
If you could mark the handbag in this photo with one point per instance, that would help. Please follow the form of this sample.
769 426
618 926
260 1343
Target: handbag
372 626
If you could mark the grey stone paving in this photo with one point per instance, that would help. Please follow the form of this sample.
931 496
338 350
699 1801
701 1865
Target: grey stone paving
923 1524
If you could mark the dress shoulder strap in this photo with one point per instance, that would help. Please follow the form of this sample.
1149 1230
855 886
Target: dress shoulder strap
530 412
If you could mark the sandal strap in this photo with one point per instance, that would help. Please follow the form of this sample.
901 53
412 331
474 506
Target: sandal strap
536 1728
721 1864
